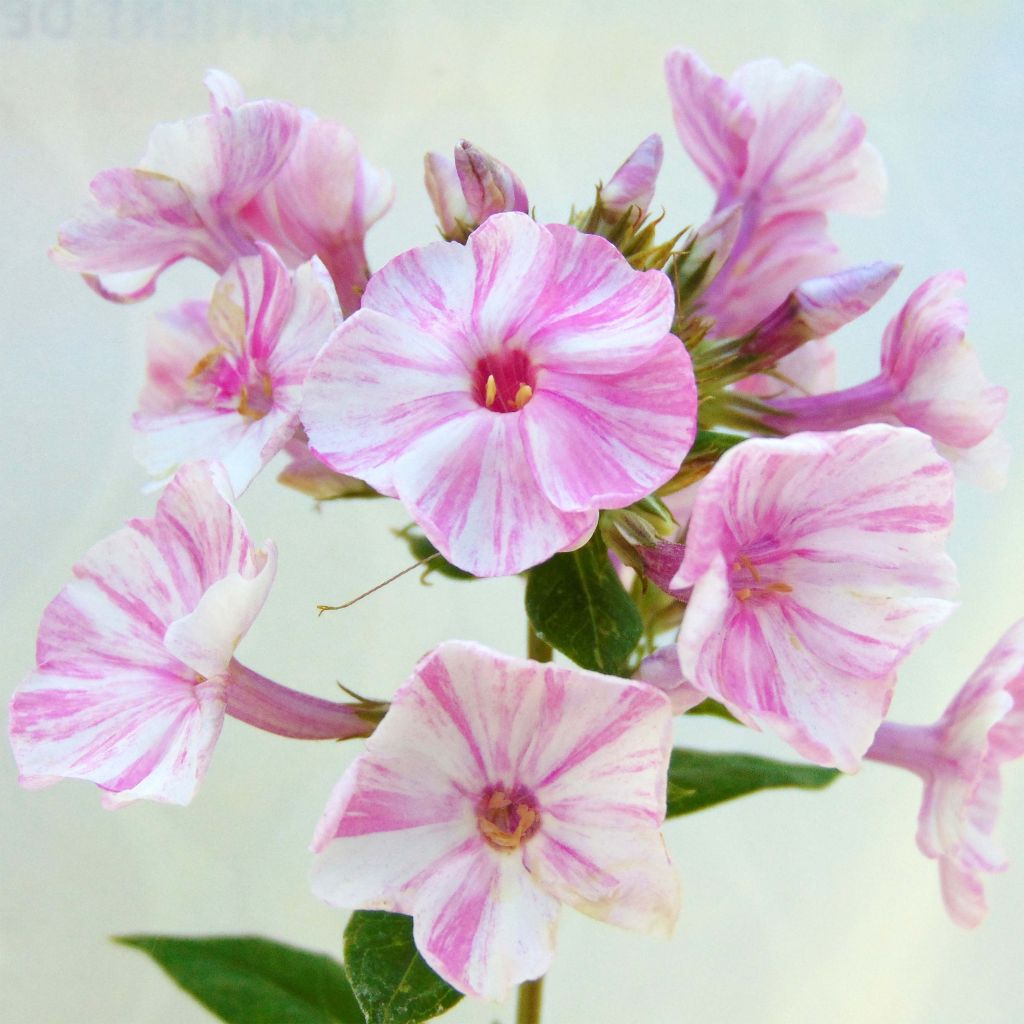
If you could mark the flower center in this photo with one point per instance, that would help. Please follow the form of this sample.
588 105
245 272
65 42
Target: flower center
749 580
220 380
505 381
507 816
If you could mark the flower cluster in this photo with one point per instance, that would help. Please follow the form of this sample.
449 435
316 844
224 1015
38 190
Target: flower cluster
563 400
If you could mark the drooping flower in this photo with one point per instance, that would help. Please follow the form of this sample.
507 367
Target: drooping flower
209 188
494 790
930 379
135 656
632 185
959 759
469 189
506 390
817 563
225 378
780 143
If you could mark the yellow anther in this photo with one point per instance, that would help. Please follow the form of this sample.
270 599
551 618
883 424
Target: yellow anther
779 588
751 568
744 594
523 395
490 391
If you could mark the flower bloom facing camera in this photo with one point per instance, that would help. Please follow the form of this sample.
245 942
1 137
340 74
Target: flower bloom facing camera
506 390
495 790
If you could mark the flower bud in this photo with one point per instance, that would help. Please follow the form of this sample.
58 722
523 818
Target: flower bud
633 183
488 185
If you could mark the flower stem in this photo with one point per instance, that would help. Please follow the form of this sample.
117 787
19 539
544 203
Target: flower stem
528 1006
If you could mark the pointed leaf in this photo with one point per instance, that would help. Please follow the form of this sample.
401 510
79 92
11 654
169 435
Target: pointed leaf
698 779
576 603
391 980
249 980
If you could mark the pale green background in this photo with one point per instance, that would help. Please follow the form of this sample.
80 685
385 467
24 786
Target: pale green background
799 908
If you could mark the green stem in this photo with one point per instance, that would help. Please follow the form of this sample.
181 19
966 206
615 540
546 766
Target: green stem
528 1006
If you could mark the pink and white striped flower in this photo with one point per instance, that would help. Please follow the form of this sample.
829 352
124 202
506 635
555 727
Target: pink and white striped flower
959 759
135 656
817 563
495 790
506 390
780 143
225 377
930 379
209 188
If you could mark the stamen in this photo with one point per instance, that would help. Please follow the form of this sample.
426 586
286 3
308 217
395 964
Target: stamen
523 395
751 568
779 588
744 594
490 391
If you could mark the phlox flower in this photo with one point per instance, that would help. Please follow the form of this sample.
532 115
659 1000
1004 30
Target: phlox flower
959 759
135 656
210 187
225 377
930 379
506 390
495 790
781 144
817 563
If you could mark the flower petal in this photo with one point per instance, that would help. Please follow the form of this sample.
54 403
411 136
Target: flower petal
378 386
469 485
141 734
605 441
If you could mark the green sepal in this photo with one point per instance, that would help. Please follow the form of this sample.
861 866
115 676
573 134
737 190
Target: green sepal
699 779
576 603
250 980
393 983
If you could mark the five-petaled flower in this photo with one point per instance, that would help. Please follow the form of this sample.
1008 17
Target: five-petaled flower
817 563
506 390
495 790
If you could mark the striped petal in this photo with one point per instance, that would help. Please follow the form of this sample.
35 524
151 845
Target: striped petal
605 441
469 485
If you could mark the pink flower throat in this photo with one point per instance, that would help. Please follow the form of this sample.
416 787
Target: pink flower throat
748 580
505 381
507 816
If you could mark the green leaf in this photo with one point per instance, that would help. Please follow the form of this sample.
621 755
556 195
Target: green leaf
698 779
249 980
576 603
391 980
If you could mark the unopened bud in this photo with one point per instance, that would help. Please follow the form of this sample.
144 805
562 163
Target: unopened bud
633 183
488 185
445 191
